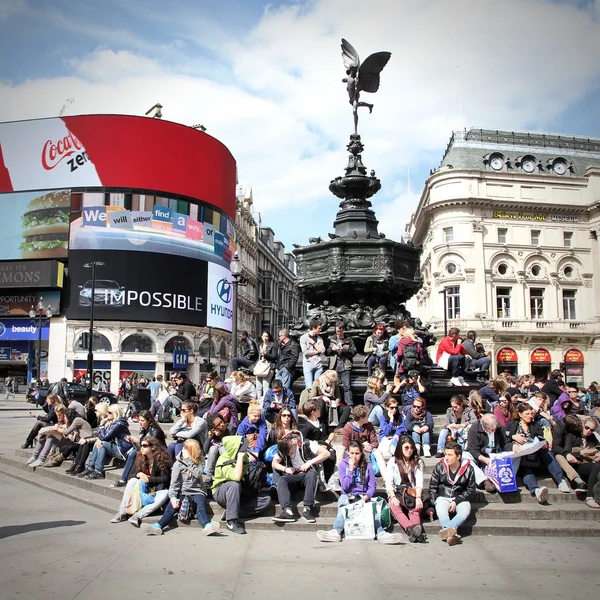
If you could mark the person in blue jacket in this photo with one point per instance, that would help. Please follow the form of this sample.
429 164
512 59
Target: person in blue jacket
275 399
254 427
358 482
391 427
419 424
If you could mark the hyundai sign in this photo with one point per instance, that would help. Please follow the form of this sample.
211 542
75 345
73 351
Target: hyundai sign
219 298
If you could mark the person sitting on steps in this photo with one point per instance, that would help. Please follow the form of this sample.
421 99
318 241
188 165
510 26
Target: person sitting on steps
451 345
254 429
189 426
186 482
357 481
459 418
52 401
376 349
419 424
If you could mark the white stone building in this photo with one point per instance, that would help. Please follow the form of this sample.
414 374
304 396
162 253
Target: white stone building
508 226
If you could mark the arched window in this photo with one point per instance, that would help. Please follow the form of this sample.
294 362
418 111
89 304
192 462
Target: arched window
223 349
101 343
137 343
178 343
207 349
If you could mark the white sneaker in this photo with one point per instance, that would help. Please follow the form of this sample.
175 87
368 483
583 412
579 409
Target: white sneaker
389 538
36 463
564 486
32 459
333 535
541 494
211 527
462 381
426 451
455 381
418 448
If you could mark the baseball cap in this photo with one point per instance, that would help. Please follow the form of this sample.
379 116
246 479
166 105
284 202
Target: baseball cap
413 373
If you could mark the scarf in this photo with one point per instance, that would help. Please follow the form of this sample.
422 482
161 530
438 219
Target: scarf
418 413
326 389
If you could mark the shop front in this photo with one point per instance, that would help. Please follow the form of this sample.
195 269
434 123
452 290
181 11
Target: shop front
506 361
541 363
101 379
573 365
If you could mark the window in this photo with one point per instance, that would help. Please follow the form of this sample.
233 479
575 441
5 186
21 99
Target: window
535 237
207 348
536 303
567 239
503 268
536 270
568 271
503 302
451 268
101 343
266 289
177 343
453 302
502 235
137 343
448 234
569 304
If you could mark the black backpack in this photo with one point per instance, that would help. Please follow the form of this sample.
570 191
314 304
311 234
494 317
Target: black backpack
410 357
163 414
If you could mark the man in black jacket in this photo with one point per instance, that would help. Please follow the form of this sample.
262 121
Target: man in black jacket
248 352
552 387
451 488
341 350
185 388
484 438
289 350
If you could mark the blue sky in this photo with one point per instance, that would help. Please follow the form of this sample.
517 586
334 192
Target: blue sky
265 79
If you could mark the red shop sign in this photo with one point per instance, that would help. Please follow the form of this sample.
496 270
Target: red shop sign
507 355
541 355
574 356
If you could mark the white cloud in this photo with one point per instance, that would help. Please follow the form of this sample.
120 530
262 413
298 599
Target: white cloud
274 94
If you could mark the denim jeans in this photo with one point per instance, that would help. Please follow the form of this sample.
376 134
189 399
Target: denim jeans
380 361
346 385
375 415
128 464
421 438
310 374
456 365
285 377
174 448
548 461
99 455
461 514
483 364
201 515
458 436
338 525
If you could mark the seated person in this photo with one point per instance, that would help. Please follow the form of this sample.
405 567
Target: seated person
186 482
357 481
254 428
541 407
243 391
77 428
295 462
223 404
284 423
275 399
419 424
410 387
477 404
492 391
477 358
376 349
484 438
409 355
49 438
459 417
391 427
362 430
148 427
52 401
86 442
451 489
327 392
189 426
374 398
522 430
456 361
247 350
227 484
574 446
213 447
404 487
111 442
505 411
153 467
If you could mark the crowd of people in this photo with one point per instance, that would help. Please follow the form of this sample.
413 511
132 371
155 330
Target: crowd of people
249 440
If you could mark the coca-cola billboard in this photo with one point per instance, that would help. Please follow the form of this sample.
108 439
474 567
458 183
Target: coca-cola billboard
116 151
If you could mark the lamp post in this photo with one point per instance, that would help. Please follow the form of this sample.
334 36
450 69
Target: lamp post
40 315
90 357
443 291
236 272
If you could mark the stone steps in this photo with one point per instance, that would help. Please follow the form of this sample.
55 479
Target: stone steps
493 514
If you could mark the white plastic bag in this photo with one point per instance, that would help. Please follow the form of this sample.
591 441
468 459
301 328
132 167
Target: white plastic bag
358 521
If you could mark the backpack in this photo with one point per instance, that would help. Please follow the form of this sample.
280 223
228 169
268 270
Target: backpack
255 476
163 414
410 357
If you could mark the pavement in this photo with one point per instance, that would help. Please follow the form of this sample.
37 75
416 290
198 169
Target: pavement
54 547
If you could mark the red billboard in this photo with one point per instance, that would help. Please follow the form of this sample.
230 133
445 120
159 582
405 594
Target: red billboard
116 151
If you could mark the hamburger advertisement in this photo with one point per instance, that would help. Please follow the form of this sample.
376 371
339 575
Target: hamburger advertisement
36 225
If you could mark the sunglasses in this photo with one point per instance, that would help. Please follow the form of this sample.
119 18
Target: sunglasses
186 409
285 416
393 408
146 445
588 428
417 406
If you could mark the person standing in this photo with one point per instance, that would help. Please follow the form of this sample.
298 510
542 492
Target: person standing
267 351
341 350
285 367
9 387
313 349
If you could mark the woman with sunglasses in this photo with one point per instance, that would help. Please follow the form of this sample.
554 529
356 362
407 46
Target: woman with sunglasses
153 467
391 427
190 425
284 424
419 423
404 487
223 404
148 427
504 411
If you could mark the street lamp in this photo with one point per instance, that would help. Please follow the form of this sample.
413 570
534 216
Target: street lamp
238 279
40 315
90 357
443 291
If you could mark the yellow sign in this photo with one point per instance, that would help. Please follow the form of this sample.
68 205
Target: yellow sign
500 214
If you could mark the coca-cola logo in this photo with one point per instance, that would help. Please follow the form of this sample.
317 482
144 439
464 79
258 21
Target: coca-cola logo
55 152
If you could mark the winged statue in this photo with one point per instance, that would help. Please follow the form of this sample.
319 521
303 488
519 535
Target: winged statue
361 77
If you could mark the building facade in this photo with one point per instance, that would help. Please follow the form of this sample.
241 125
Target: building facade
508 225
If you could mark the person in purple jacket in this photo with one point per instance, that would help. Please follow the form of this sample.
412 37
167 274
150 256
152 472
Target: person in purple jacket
224 405
358 482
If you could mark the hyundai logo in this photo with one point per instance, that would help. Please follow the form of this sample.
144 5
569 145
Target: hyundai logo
2 329
224 290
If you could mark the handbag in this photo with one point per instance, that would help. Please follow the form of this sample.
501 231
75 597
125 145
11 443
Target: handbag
407 496
262 368
134 502
334 419
187 509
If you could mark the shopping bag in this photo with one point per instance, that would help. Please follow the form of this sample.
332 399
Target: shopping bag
134 502
444 360
502 473
376 470
358 521
381 511
145 496
271 453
